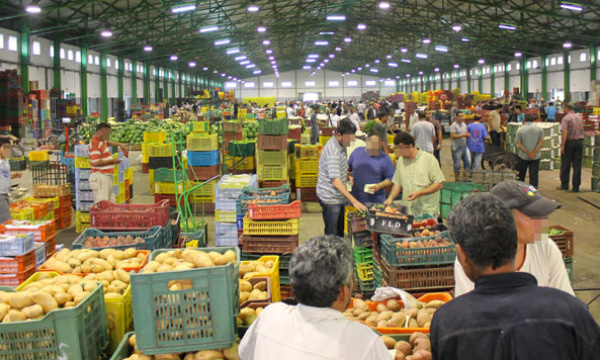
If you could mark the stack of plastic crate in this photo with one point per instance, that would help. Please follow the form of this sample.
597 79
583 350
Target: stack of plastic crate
120 187
149 138
265 196
160 155
272 153
307 171
227 191
84 197
588 150
596 165
203 165
17 258
42 232
550 152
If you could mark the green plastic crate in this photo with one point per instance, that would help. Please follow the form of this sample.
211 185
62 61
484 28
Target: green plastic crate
362 255
241 148
273 127
453 192
124 350
272 157
200 318
166 175
399 256
80 332
272 172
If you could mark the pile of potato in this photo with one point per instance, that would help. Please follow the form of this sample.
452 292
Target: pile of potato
85 261
247 316
249 292
41 297
417 348
178 260
391 314
253 268
223 354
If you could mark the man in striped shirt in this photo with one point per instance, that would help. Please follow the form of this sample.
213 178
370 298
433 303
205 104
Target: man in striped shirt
102 162
333 173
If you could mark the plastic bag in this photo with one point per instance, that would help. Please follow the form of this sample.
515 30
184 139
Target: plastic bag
384 293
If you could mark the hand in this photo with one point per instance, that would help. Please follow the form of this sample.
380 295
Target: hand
351 180
115 161
562 150
17 175
439 147
467 135
531 154
359 206
413 196
388 202
374 188
124 150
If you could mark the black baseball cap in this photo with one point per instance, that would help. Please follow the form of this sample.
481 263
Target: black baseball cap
525 198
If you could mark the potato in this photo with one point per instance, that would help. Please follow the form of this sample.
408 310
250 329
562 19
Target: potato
161 257
132 341
261 285
434 304
69 304
403 347
386 315
75 289
208 355
231 255
423 317
58 265
258 311
122 275
45 300
364 316
167 357
399 356
381 308
360 304
80 297
44 276
128 253
397 320
4 308
393 305
33 311
61 298
164 268
412 323
189 356
5 296
232 352
422 355
414 336
245 286
245 312
183 266
255 295
388 341
63 254
244 296
13 316
20 300
422 343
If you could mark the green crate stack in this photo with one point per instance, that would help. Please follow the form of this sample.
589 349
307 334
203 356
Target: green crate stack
588 151
272 165
453 192
596 165
363 270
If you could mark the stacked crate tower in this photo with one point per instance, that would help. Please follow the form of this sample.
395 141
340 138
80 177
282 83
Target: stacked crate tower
151 138
307 171
550 151
588 150
159 156
203 165
239 158
227 191
367 275
596 165
11 98
272 153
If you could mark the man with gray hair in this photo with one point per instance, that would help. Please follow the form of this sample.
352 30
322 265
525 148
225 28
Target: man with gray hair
507 316
315 329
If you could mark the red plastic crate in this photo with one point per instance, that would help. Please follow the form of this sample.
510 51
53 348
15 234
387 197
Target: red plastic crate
228 136
17 264
65 201
308 194
41 233
145 168
17 279
269 244
105 215
286 291
168 197
50 247
265 184
274 212
202 172
295 134
276 142
327 131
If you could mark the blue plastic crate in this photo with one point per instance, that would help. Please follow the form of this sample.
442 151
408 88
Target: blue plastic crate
116 190
84 195
203 158
153 238
225 204
225 240
83 206
82 151
82 174
82 185
17 246
240 222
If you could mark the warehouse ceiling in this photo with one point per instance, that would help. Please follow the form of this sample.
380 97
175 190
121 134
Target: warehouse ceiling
470 30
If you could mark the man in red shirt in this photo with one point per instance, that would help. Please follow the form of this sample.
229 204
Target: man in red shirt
102 162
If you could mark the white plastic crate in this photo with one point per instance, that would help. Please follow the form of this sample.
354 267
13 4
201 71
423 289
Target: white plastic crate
16 245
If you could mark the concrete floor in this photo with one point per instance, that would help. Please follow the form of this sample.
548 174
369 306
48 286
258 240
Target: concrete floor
576 214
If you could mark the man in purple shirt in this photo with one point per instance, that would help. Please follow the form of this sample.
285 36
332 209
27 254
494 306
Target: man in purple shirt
371 166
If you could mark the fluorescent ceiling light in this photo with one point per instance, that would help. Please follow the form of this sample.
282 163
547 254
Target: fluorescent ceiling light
250 66
326 61
313 56
183 8
407 75
441 48
174 57
406 61
266 42
208 29
361 26
457 28
384 5
311 60
567 45
571 6
481 61
456 66
273 62
33 9
321 43
388 56
271 57
426 41
205 68
223 75
192 64
421 72
147 48
436 69
326 33
338 49
359 68
306 67
421 55
376 61
245 62
404 50
241 57
367 65
465 39
518 54
232 51
106 33
222 42
268 51
261 29
252 8
353 70
392 64
256 72
347 39
336 17
507 27
331 56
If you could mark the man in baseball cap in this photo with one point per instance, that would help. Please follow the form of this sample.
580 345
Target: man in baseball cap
537 254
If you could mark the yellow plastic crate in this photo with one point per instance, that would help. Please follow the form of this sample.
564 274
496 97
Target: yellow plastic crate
38 155
292 169
273 275
47 217
24 213
83 217
324 139
207 190
82 163
81 226
225 216
167 188
151 176
119 313
201 127
272 172
121 187
160 150
145 158
245 164
157 137
286 227
129 174
202 142
145 148
45 201
365 271
306 180
115 179
307 166
347 211
121 198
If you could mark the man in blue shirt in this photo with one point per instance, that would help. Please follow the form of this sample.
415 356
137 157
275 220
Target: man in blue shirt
372 170
551 112
520 115
476 141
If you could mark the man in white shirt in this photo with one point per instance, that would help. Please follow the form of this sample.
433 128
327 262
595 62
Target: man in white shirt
424 133
291 112
354 118
412 120
537 254
315 329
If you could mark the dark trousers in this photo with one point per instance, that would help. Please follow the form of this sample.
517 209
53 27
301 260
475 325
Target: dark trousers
534 170
314 136
333 217
437 155
495 138
573 156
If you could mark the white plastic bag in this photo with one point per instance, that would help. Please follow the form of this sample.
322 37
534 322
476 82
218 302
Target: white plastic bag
384 293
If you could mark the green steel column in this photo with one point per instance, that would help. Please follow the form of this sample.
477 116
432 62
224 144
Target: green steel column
567 73
506 77
544 78
82 78
120 75
56 67
134 99
146 83
450 81
157 98
173 87
180 84
524 78
442 81
480 79
24 58
165 85
593 56
103 87
492 80
469 80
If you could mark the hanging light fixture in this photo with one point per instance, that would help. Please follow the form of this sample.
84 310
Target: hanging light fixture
33 8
